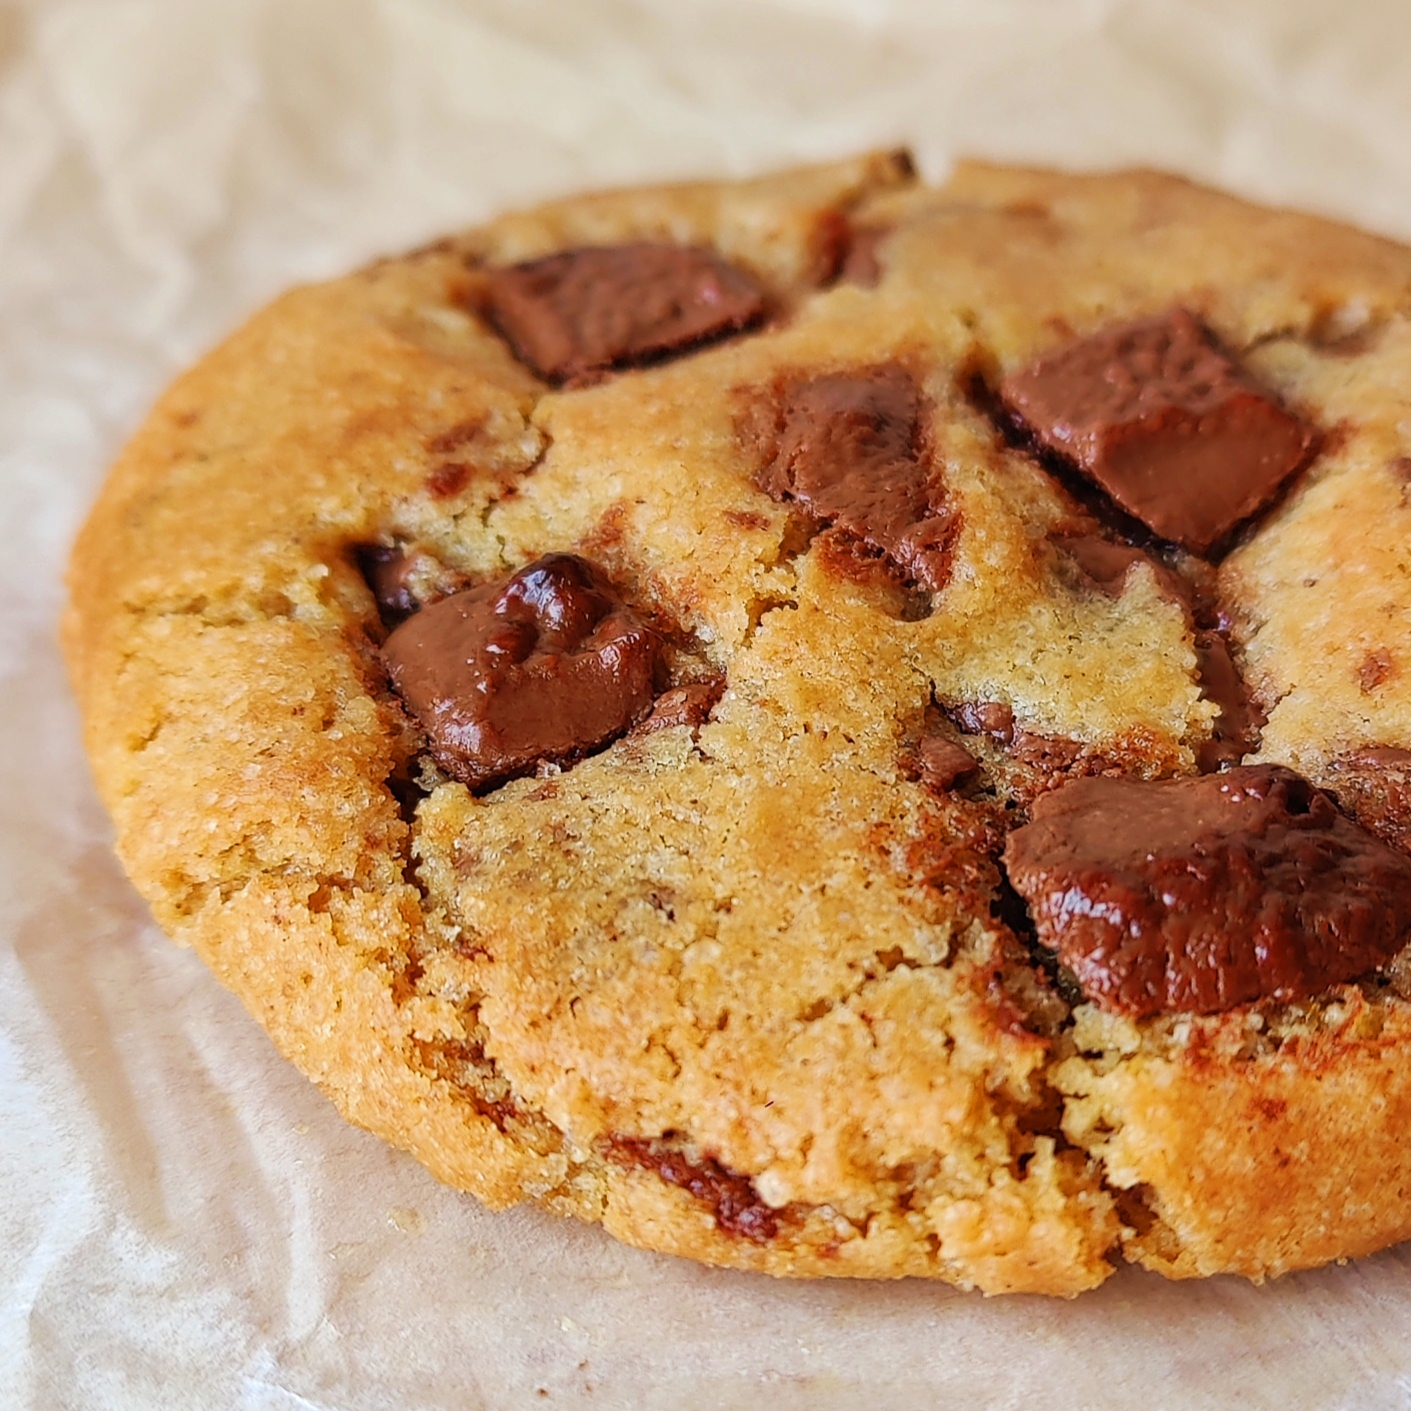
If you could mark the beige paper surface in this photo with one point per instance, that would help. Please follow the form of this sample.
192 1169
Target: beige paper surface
184 1221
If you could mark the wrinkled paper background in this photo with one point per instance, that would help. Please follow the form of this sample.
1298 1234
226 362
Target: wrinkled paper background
184 1222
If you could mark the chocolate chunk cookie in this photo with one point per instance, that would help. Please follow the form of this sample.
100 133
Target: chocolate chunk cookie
834 726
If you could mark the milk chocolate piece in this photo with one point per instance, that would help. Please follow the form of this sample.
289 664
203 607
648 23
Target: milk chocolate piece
849 448
730 1198
586 310
690 704
543 668
941 764
1237 729
992 718
1166 422
1373 784
1197 895
404 578
1053 754
1106 566
862 264
388 571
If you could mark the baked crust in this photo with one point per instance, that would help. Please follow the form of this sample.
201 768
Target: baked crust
757 959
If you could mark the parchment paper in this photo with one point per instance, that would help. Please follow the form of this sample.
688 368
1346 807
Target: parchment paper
184 1222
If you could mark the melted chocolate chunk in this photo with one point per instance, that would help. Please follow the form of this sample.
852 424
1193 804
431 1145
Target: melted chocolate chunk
849 448
1239 726
1197 895
1050 754
1038 762
941 764
388 573
582 312
403 579
1163 419
684 705
731 1198
1237 729
1374 786
1106 566
543 668
992 718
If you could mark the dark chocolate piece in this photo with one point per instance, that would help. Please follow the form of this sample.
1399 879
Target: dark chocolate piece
583 311
730 1198
1166 422
543 668
1197 895
849 448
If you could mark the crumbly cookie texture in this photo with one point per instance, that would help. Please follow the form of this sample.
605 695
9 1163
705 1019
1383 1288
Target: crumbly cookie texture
745 979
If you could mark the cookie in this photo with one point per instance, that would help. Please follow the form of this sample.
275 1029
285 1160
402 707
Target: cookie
833 726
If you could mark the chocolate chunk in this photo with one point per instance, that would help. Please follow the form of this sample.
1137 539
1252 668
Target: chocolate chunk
1106 566
941 764
992 718
1166 422
543 668
1043 760
448 479
684 705
1376 670
850 449
1374 786
731 1198
1237 729
583 311
404 578
862 264
1196 895
1051 754
388 573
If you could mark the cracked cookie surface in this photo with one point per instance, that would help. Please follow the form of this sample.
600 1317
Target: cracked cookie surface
743 976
